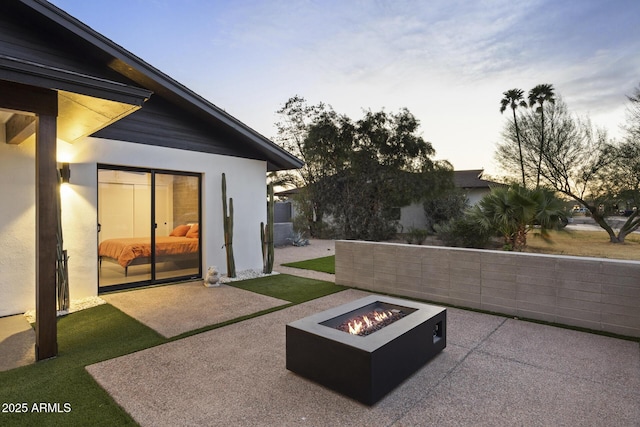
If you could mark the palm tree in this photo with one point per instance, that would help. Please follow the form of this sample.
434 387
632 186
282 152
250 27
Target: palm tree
512 211
539 95
514 98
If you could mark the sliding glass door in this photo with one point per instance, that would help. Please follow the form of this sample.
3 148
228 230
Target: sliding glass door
148 226
177 225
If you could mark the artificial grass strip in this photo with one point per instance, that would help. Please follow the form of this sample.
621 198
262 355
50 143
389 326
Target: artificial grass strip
325 264
289 288
69 394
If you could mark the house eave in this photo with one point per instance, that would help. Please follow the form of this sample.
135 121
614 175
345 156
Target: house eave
34 74
148 76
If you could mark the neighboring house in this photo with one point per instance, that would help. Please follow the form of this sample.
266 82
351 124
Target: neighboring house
144 152
474 187
471 183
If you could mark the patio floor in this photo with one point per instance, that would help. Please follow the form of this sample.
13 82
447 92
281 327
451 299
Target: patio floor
175 309
494 371
17 342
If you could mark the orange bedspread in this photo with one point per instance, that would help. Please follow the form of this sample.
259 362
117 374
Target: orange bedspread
125 250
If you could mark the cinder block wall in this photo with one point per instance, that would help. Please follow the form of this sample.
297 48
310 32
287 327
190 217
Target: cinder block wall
593 293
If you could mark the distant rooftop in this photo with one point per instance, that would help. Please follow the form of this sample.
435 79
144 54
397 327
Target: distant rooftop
471 179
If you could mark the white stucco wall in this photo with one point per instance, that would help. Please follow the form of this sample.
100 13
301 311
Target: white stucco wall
245 183
474 195
17 227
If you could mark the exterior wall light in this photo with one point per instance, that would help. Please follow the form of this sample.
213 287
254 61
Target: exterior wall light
65 173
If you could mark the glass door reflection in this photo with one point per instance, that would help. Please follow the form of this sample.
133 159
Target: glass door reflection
177 226
148 227
124 232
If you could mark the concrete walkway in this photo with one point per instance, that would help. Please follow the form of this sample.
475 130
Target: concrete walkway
495 371
17 342
315 249
175 309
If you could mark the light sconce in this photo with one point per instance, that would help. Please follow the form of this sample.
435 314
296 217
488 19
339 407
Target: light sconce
65 173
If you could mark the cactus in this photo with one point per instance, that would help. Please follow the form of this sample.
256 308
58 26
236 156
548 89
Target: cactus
266 235
228 229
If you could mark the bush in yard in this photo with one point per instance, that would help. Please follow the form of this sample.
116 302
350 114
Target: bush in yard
512 211
464 232
416 236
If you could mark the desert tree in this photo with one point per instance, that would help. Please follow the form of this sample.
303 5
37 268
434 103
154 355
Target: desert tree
295 118
578 160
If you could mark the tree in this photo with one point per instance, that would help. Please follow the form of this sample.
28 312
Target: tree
539 95
625 175
445 202
514 98
360 173
512 211
632 126
388 166
578 161
296 117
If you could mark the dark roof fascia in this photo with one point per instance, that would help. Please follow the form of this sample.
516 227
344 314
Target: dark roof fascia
31 73
135 65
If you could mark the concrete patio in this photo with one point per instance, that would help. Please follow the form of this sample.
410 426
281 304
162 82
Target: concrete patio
17 342
494 371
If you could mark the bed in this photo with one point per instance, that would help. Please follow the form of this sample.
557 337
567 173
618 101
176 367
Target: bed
130 251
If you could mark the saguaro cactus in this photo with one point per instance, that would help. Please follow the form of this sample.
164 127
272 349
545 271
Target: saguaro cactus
227 217
266 235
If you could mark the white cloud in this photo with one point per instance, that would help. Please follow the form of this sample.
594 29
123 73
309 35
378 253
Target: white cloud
448 61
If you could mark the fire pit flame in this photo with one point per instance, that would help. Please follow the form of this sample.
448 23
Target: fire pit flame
367 324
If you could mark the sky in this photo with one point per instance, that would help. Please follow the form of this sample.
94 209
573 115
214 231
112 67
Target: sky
447 61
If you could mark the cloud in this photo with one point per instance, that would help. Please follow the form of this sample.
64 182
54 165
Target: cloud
448 61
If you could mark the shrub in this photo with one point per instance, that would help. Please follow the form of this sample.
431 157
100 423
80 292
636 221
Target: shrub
416 236
463 232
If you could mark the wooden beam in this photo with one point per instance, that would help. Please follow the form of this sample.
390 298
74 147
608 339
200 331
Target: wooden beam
20 127
16 96
46 226
43 103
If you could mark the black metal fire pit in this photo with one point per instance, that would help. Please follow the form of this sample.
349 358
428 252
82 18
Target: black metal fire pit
366 368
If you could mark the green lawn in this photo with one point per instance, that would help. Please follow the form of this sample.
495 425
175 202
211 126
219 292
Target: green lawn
325 264
102 333
294 289
85 337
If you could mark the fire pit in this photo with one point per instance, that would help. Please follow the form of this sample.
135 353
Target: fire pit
366 359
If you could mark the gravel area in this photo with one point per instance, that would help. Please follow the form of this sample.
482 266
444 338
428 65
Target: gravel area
245 275
75 305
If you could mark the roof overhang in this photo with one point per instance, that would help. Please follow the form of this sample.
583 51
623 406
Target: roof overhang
142 73
86 104
34 74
